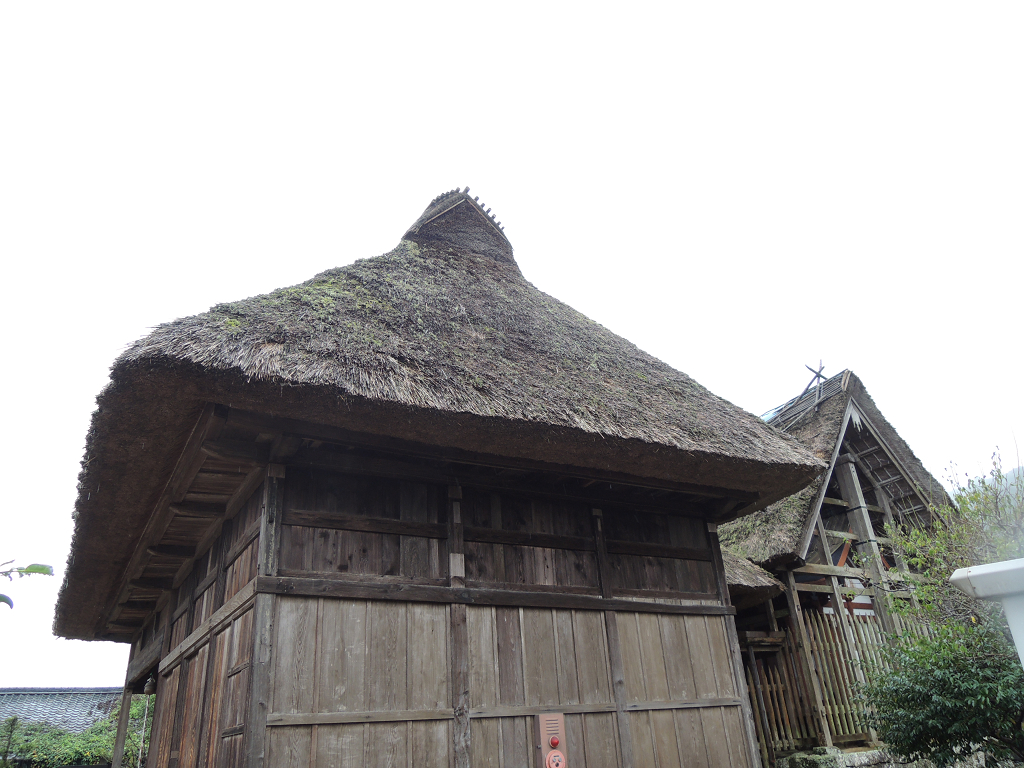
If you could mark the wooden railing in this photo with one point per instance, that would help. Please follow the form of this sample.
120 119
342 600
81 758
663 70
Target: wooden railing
843 652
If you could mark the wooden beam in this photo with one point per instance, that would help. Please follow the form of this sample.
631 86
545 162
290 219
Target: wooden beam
832 570
152 584
223 616
199 509
397 446
367 524
237 450
123 719
189 462
860 521
143 661
360 590
172 551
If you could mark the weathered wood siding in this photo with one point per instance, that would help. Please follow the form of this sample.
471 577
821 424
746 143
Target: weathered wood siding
293 656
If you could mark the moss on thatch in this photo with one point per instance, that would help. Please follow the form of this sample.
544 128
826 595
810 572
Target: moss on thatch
437 326
440 343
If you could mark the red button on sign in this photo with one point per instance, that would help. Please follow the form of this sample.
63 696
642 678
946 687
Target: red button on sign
554 741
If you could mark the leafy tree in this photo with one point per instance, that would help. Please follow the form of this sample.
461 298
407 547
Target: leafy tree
957 687
27 570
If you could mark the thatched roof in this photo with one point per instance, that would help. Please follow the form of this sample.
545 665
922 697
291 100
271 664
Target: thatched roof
442 342
748 584
772 536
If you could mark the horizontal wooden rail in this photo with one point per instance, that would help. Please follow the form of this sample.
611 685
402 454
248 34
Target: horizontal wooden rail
224 615
550 541
642 549
145 659
308 519
284 719
417 593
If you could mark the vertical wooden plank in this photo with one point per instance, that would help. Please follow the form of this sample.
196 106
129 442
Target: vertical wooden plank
678 666
690 736
386 745
574 740
195 686
165 744
619 687
592 668
729 646
769 745
483 671
804 656
641 739
386 676
123 718
270 523
652 653
632 662
259 681
292 686
339 746
568 680
460 684
540 674
601 749
289 747
604 567
499 550
716 740
343 646
510 684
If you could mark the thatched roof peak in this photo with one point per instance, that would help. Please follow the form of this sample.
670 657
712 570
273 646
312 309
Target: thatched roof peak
454 218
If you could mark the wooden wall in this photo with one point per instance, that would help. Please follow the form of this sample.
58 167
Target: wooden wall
344 620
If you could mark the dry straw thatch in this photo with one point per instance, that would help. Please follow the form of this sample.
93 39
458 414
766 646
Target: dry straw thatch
771 536
441 342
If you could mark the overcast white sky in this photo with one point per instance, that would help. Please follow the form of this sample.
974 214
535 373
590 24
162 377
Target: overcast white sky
739 188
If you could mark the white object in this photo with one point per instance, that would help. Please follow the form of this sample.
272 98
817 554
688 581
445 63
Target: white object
998 581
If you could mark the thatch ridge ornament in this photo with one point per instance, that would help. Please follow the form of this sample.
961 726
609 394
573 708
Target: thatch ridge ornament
462 221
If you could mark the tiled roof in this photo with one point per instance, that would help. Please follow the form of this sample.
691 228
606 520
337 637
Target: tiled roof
73 709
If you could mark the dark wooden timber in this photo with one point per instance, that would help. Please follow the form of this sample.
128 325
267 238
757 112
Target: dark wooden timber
367 524
123 719
175 552
199 509
747 714
619 687
421 451
360 590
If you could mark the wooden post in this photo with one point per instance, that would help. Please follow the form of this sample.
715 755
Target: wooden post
122 727
756 676
619 687
604 568
460 630
263 620
736 656
807 662
860 520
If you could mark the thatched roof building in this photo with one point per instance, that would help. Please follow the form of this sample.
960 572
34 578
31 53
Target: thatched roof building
837 416
440 342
